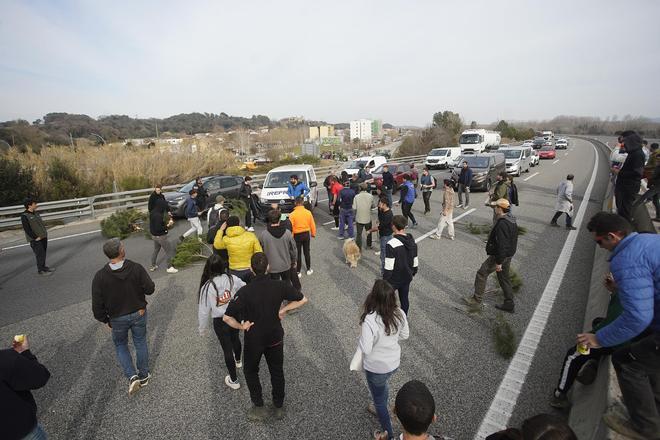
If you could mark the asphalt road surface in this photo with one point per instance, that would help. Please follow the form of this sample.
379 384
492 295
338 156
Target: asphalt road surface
449 349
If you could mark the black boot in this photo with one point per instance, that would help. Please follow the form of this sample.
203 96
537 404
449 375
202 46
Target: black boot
506 306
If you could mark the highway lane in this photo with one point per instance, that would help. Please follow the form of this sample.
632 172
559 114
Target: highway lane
449 350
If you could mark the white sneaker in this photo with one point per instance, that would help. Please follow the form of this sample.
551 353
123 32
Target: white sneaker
334 228
466 206
460 205
377 253
233 385
250 229
172 269
299 275
153 268
434 237
310 271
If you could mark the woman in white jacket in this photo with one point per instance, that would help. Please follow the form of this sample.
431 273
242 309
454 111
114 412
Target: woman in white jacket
382 324
216 289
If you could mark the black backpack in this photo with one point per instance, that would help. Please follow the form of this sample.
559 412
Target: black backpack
214 224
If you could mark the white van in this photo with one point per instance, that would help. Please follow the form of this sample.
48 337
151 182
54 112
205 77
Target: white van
518 159
276 186
352 167
442 157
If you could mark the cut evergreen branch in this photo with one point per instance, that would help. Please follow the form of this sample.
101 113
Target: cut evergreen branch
503 336
236 207
190 250
514 277
522 230
123 223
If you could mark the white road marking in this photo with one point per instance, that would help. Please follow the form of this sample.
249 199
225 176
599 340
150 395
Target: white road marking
505 399
565 154
434 230
555 161
327 223
527 178
53 239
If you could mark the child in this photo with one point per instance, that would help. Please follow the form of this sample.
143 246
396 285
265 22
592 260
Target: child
415 408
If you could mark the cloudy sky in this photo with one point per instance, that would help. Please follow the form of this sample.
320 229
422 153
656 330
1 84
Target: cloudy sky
396 60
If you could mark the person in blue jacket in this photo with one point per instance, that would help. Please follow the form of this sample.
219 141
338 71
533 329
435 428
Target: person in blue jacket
635 267
297 188
192 215
408 194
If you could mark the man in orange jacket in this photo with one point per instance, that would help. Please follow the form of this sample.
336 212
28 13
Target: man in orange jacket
304 228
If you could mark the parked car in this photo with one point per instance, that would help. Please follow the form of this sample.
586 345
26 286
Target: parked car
547 143
398 170
276 185
442 157
547 152
534 158
561 144
528 143
485 168
227 186
538 142
517 159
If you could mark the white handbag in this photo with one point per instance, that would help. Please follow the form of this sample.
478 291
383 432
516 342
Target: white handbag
357 361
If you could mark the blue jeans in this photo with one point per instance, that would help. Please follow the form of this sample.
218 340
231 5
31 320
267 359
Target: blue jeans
383 245
36 434
380 394
346 219
138 326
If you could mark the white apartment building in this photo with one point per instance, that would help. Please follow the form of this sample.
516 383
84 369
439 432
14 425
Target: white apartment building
361 129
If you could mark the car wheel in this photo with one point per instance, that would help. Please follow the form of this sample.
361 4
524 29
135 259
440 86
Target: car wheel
488 185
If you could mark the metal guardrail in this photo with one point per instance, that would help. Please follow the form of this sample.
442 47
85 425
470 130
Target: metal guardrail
111 202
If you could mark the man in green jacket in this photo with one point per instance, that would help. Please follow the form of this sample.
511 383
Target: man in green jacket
501 191
36 235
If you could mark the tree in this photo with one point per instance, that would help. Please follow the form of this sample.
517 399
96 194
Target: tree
451 122
16 183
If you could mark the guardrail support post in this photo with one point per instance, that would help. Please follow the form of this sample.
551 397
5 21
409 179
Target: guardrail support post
90 201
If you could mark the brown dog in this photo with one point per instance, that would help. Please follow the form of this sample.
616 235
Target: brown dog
351 252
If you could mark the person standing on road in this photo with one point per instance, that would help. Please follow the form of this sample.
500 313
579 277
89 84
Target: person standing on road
155 195
513 192
304 229
501 191
447 217
118 300
215 218
415 176
20 372
346 213
564 203
427 183
297 188
400 260
216 288
408 195
464 182
36 234
336 189
327 184
501 247
629 176
363 203
635 267
158 229
192 215
245 195
384 229
241 245
280 249
414 406
382 325
202 194
388 184
257 309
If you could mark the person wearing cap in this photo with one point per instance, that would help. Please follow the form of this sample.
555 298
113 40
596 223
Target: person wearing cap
564 203
501 247
245 195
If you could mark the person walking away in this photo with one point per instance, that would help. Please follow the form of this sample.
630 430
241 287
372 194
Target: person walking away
20 372
297 188
257 310
400 260
629 176
118 300
346 214
382 325
513 193
652 173
336 189
36 234
245 195
635 267
240 244
192 215
414 406
327 184
304 229
447 217
388 184
158 229
408 195
363 203
564 203
384 229
501 247
214 218
280 249
464 182
216 288
501 191
202 194
427 183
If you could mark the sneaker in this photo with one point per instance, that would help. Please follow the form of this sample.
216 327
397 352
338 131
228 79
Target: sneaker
299 275
559 400
250 229
553 224
172 269
506 306
153 268
434 237
278 413
451 238
377 253
341 237
239 363
623 426
50 269
571 228
414 225
471 301
588 372
334 228
145 381
460 205
257 414
45 273
133 385
380 435
231 384
466 206
310 271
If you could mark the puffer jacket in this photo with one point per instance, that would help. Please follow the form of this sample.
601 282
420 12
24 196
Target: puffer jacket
240 245
635 265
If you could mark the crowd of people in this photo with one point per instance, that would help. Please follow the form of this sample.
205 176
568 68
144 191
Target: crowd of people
251 282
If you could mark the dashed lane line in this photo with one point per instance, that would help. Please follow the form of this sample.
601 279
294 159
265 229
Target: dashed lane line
555 161
527 178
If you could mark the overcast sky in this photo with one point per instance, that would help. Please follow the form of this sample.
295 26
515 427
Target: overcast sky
399 61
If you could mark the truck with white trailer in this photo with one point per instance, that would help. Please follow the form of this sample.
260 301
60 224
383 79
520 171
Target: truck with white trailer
474 141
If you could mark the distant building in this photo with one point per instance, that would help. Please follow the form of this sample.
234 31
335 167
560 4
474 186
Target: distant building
313 133
361 129
326 131
172 141
376 128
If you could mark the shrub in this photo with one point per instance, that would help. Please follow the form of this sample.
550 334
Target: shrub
304 159
64 182
15 182
130 183
123 223
504 338
191 249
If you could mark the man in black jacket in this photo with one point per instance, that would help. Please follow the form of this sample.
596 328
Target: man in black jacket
202 194
400 260
36 234
118 300
388 184
245 194
501 246
20 372
629 176
158 213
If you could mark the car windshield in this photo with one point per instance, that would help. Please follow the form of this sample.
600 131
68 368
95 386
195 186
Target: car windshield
474 161
469 139
356 163
547 148
438 152
512 154
280 179
187 187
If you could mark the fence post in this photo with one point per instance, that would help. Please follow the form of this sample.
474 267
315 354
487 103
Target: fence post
90 201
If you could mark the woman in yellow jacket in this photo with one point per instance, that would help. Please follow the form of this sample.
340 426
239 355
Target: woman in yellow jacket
240 244
303 228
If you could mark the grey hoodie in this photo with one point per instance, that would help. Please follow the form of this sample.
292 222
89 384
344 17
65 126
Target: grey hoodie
279 247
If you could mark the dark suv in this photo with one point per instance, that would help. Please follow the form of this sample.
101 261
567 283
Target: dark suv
227 186
485 168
